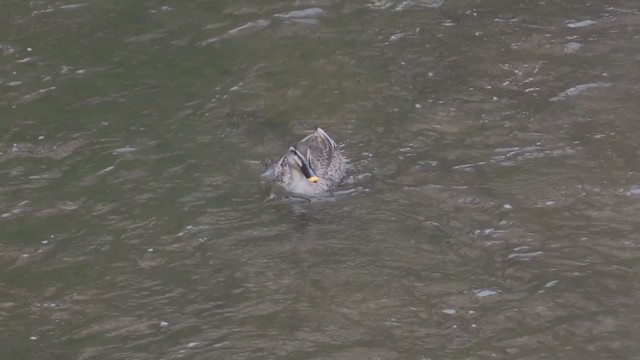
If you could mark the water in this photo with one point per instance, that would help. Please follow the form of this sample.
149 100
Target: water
490 210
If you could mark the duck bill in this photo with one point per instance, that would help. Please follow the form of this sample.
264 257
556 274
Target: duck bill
309 173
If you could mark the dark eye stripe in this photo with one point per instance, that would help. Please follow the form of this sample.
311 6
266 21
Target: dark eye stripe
298 155
298 158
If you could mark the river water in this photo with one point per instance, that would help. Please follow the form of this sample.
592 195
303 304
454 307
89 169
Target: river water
491 208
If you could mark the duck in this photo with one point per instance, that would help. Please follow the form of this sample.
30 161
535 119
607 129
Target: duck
312 166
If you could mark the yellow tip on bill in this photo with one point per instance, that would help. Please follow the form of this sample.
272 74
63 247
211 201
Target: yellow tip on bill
313 179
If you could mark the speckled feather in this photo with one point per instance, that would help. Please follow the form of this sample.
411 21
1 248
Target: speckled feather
325 158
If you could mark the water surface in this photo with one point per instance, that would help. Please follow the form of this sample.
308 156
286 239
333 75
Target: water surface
490 212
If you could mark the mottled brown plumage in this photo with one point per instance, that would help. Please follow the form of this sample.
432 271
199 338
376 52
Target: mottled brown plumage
316 156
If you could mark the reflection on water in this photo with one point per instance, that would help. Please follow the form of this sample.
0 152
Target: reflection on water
490 208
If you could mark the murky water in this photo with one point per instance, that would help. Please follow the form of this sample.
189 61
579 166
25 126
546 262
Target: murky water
490 212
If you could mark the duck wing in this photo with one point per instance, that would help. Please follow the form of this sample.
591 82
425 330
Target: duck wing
320 151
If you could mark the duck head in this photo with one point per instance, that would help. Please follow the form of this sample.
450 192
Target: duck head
300 164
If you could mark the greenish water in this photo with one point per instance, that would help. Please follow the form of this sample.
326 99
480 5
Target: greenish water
490 212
